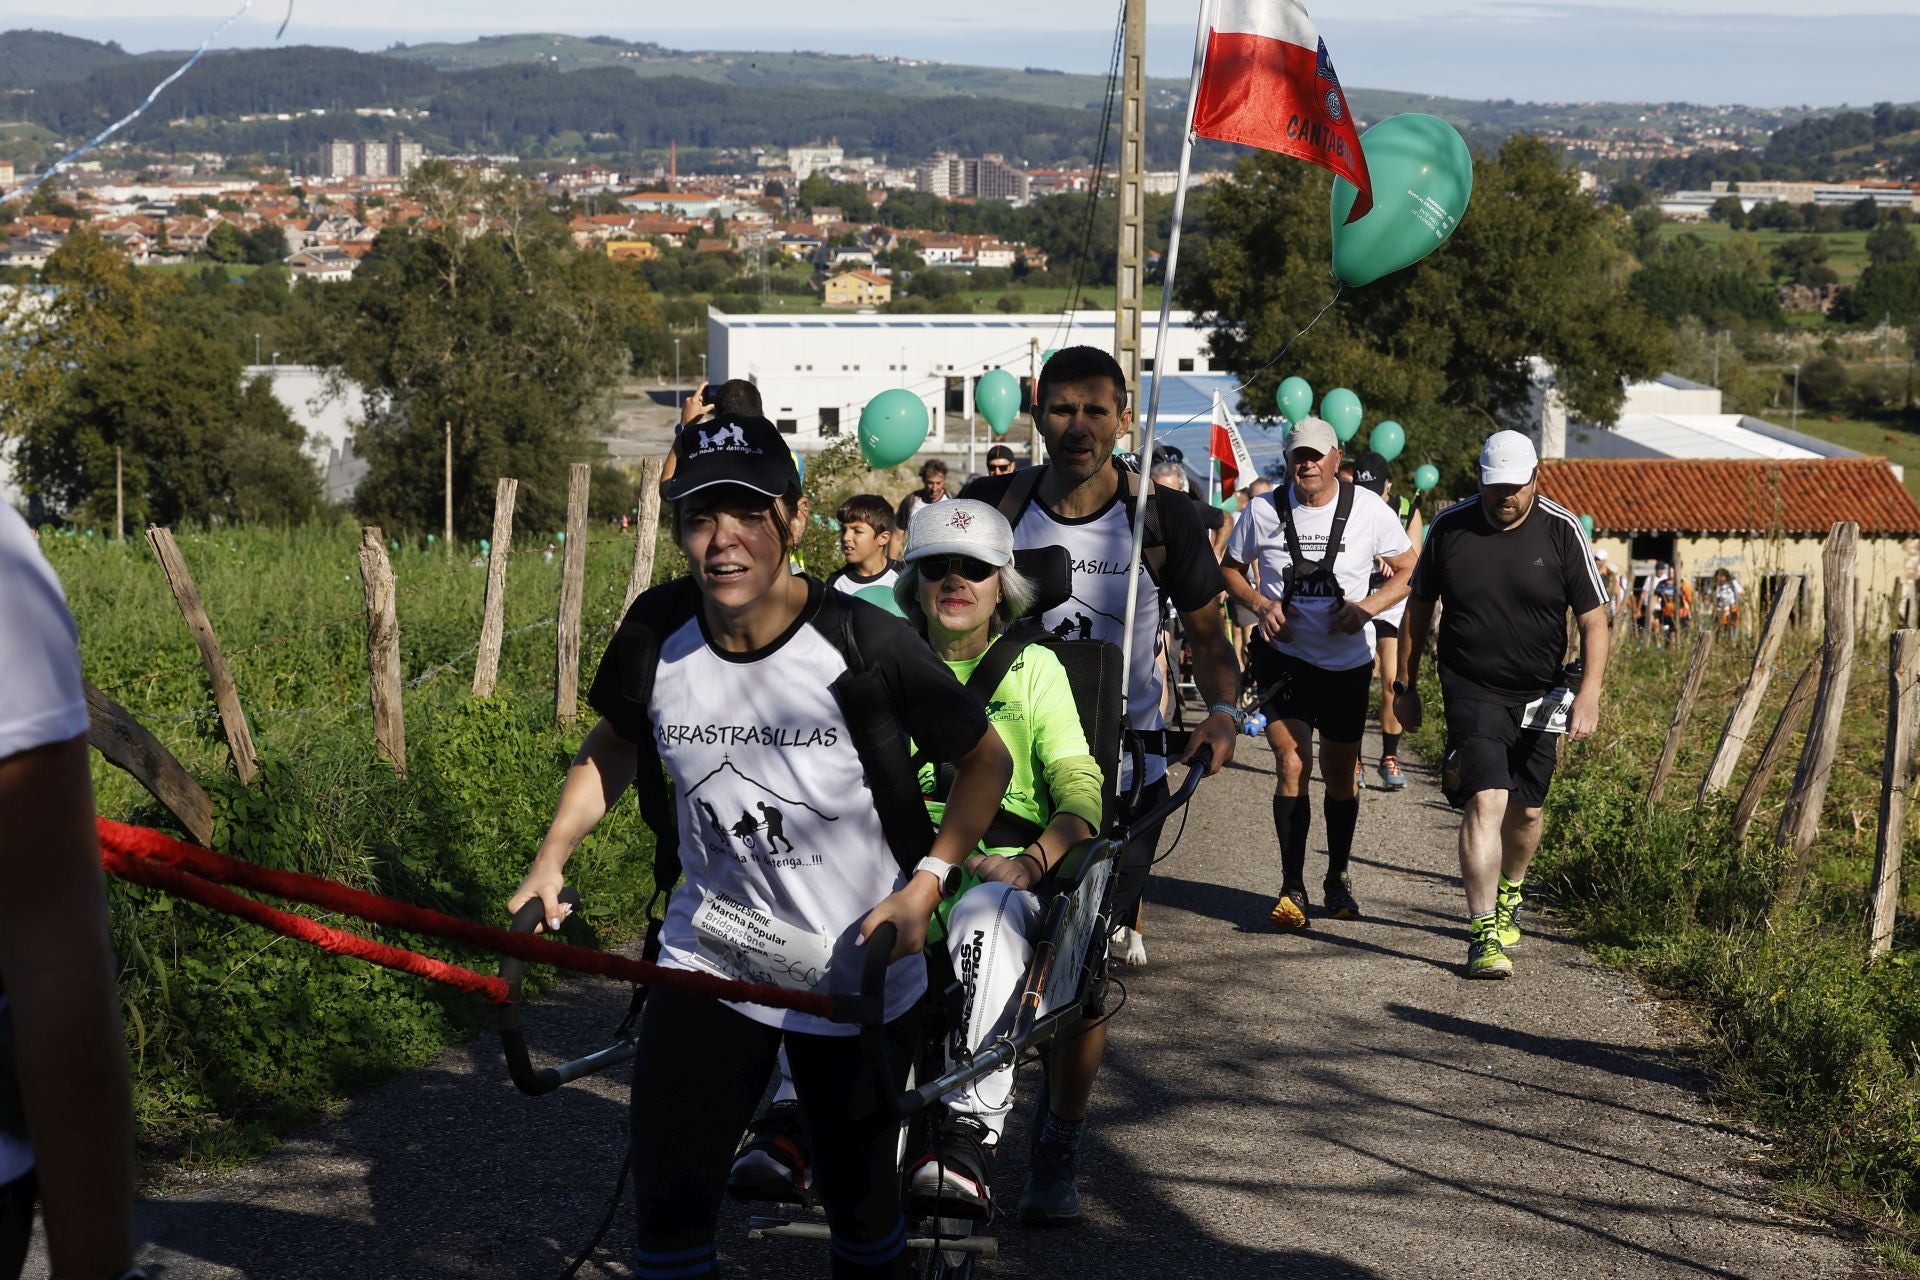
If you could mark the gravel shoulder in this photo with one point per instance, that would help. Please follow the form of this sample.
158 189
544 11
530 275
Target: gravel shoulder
1336 1103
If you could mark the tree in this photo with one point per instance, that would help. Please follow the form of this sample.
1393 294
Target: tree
1802 260
775 189
1730 210
1890 242
1861 215
223 243
1885 289
512 336
1630 195
1823 382
1446 346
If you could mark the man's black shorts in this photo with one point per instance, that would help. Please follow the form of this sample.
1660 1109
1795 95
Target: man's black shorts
1487 750
1384 630
1333 702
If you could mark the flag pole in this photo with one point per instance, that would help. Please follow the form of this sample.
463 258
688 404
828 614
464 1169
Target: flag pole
1160 347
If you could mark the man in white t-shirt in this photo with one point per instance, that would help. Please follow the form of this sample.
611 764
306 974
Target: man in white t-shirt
59 1016
1316 557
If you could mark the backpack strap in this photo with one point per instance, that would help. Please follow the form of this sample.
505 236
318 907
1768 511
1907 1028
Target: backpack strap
650 784
879 736
986 677
1153 546
1301 567
1019 492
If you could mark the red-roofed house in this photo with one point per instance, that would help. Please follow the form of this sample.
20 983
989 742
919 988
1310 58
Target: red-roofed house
1753 517
858 289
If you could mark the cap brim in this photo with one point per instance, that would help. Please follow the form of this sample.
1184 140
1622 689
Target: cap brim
674 491
997 559
1505 475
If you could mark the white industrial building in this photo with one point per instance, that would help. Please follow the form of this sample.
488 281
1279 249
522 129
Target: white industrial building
816 372
329 421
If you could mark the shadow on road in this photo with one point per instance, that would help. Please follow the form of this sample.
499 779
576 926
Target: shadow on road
1657 1064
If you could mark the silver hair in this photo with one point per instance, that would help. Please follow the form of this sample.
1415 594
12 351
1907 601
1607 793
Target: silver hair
1171 470
1016 597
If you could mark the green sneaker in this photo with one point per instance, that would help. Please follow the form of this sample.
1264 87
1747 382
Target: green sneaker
1506 916
1485 959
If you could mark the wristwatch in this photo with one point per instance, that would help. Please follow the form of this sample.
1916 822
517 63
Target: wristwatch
949 874
1232 713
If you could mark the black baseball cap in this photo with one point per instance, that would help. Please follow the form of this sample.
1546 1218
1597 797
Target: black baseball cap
1370 472
999 453
746 451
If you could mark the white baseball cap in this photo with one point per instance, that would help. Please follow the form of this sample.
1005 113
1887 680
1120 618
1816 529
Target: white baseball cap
1507 458
959 527
1312 433
1600 554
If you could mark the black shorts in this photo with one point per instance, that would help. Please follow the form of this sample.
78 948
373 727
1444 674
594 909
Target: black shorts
1384 630
1487 750
1333 702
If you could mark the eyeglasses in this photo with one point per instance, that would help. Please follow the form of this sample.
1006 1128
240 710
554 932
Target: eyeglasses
936 568
999 468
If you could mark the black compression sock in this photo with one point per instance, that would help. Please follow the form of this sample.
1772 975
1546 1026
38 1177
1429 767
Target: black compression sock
1389 744
1289 813
1342 817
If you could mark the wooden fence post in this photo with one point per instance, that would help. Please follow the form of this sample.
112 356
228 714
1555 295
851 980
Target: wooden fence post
486 666
1733 739
383 648
646 534
566 684
1896 779
115 734
1792 715
226 697
1689 692
1800 821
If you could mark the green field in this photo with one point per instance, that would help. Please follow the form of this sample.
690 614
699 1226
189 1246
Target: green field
1847 250
1902 448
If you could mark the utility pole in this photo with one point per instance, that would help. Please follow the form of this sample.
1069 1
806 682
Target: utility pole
119 498
1886 339
1796 397
447 531
1130 188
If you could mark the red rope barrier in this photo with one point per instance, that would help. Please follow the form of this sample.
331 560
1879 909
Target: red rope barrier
138 853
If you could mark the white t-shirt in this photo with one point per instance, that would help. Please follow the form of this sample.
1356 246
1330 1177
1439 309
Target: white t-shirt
1372 531
773 805
41 699
847 582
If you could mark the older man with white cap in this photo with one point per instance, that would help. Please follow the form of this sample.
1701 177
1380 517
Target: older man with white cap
1508 565
1316 541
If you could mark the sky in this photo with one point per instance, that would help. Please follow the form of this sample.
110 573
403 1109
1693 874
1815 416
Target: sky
1757 52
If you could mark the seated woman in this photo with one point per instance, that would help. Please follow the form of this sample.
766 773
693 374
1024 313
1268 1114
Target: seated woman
960 591
963 594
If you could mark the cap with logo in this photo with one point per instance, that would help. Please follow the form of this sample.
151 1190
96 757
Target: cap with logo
745 451
1370 472
1507 458
960 527
1316 434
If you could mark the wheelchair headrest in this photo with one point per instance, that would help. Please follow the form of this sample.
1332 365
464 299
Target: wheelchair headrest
1051 572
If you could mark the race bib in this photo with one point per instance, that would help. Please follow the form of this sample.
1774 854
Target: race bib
1075 938
1549 712
744 943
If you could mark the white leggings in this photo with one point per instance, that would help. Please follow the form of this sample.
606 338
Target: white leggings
989 936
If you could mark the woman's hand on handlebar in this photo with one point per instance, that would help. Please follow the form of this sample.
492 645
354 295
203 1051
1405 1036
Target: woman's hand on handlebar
545 885
908 911
1020 870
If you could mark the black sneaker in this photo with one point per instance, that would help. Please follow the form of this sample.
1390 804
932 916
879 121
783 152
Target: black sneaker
956 1179
773 1161
1337 900
1049 1199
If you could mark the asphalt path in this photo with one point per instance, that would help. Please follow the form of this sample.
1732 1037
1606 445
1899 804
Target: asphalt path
1337 1103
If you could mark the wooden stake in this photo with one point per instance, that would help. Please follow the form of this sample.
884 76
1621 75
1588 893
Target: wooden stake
447 529
383 648
226 697
646 533
566 683
1800 822
486 667
1896 782
1792 716
1733 739
1696 672
119 497
115 734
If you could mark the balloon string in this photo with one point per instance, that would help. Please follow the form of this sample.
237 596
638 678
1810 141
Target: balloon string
136 113
1192 418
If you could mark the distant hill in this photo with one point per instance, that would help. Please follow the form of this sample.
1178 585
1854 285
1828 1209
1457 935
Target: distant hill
31 59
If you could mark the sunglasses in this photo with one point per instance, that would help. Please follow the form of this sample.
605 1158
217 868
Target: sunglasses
999 468
936 568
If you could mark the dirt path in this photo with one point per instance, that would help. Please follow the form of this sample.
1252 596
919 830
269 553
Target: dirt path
1332 1104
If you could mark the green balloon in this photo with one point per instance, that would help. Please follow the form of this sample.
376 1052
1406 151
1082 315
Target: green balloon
882 597
1341 408
1295 398
893 426
1422 179
1425 477
1387 439
560 537
998 398
1586 523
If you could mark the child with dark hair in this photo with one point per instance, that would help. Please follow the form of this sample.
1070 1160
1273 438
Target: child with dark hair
869 539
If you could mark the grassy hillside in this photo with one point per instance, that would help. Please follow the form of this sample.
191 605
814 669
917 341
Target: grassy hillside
30 59
1846 250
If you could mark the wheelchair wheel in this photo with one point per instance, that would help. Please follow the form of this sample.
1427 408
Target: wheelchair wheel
951 1264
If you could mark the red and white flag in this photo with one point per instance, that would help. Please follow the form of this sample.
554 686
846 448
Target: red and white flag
1227 456
1268 83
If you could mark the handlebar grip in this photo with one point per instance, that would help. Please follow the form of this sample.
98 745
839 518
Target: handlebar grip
873 976
513 1036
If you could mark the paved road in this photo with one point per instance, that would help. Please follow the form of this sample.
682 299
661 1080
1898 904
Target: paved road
1335 1104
